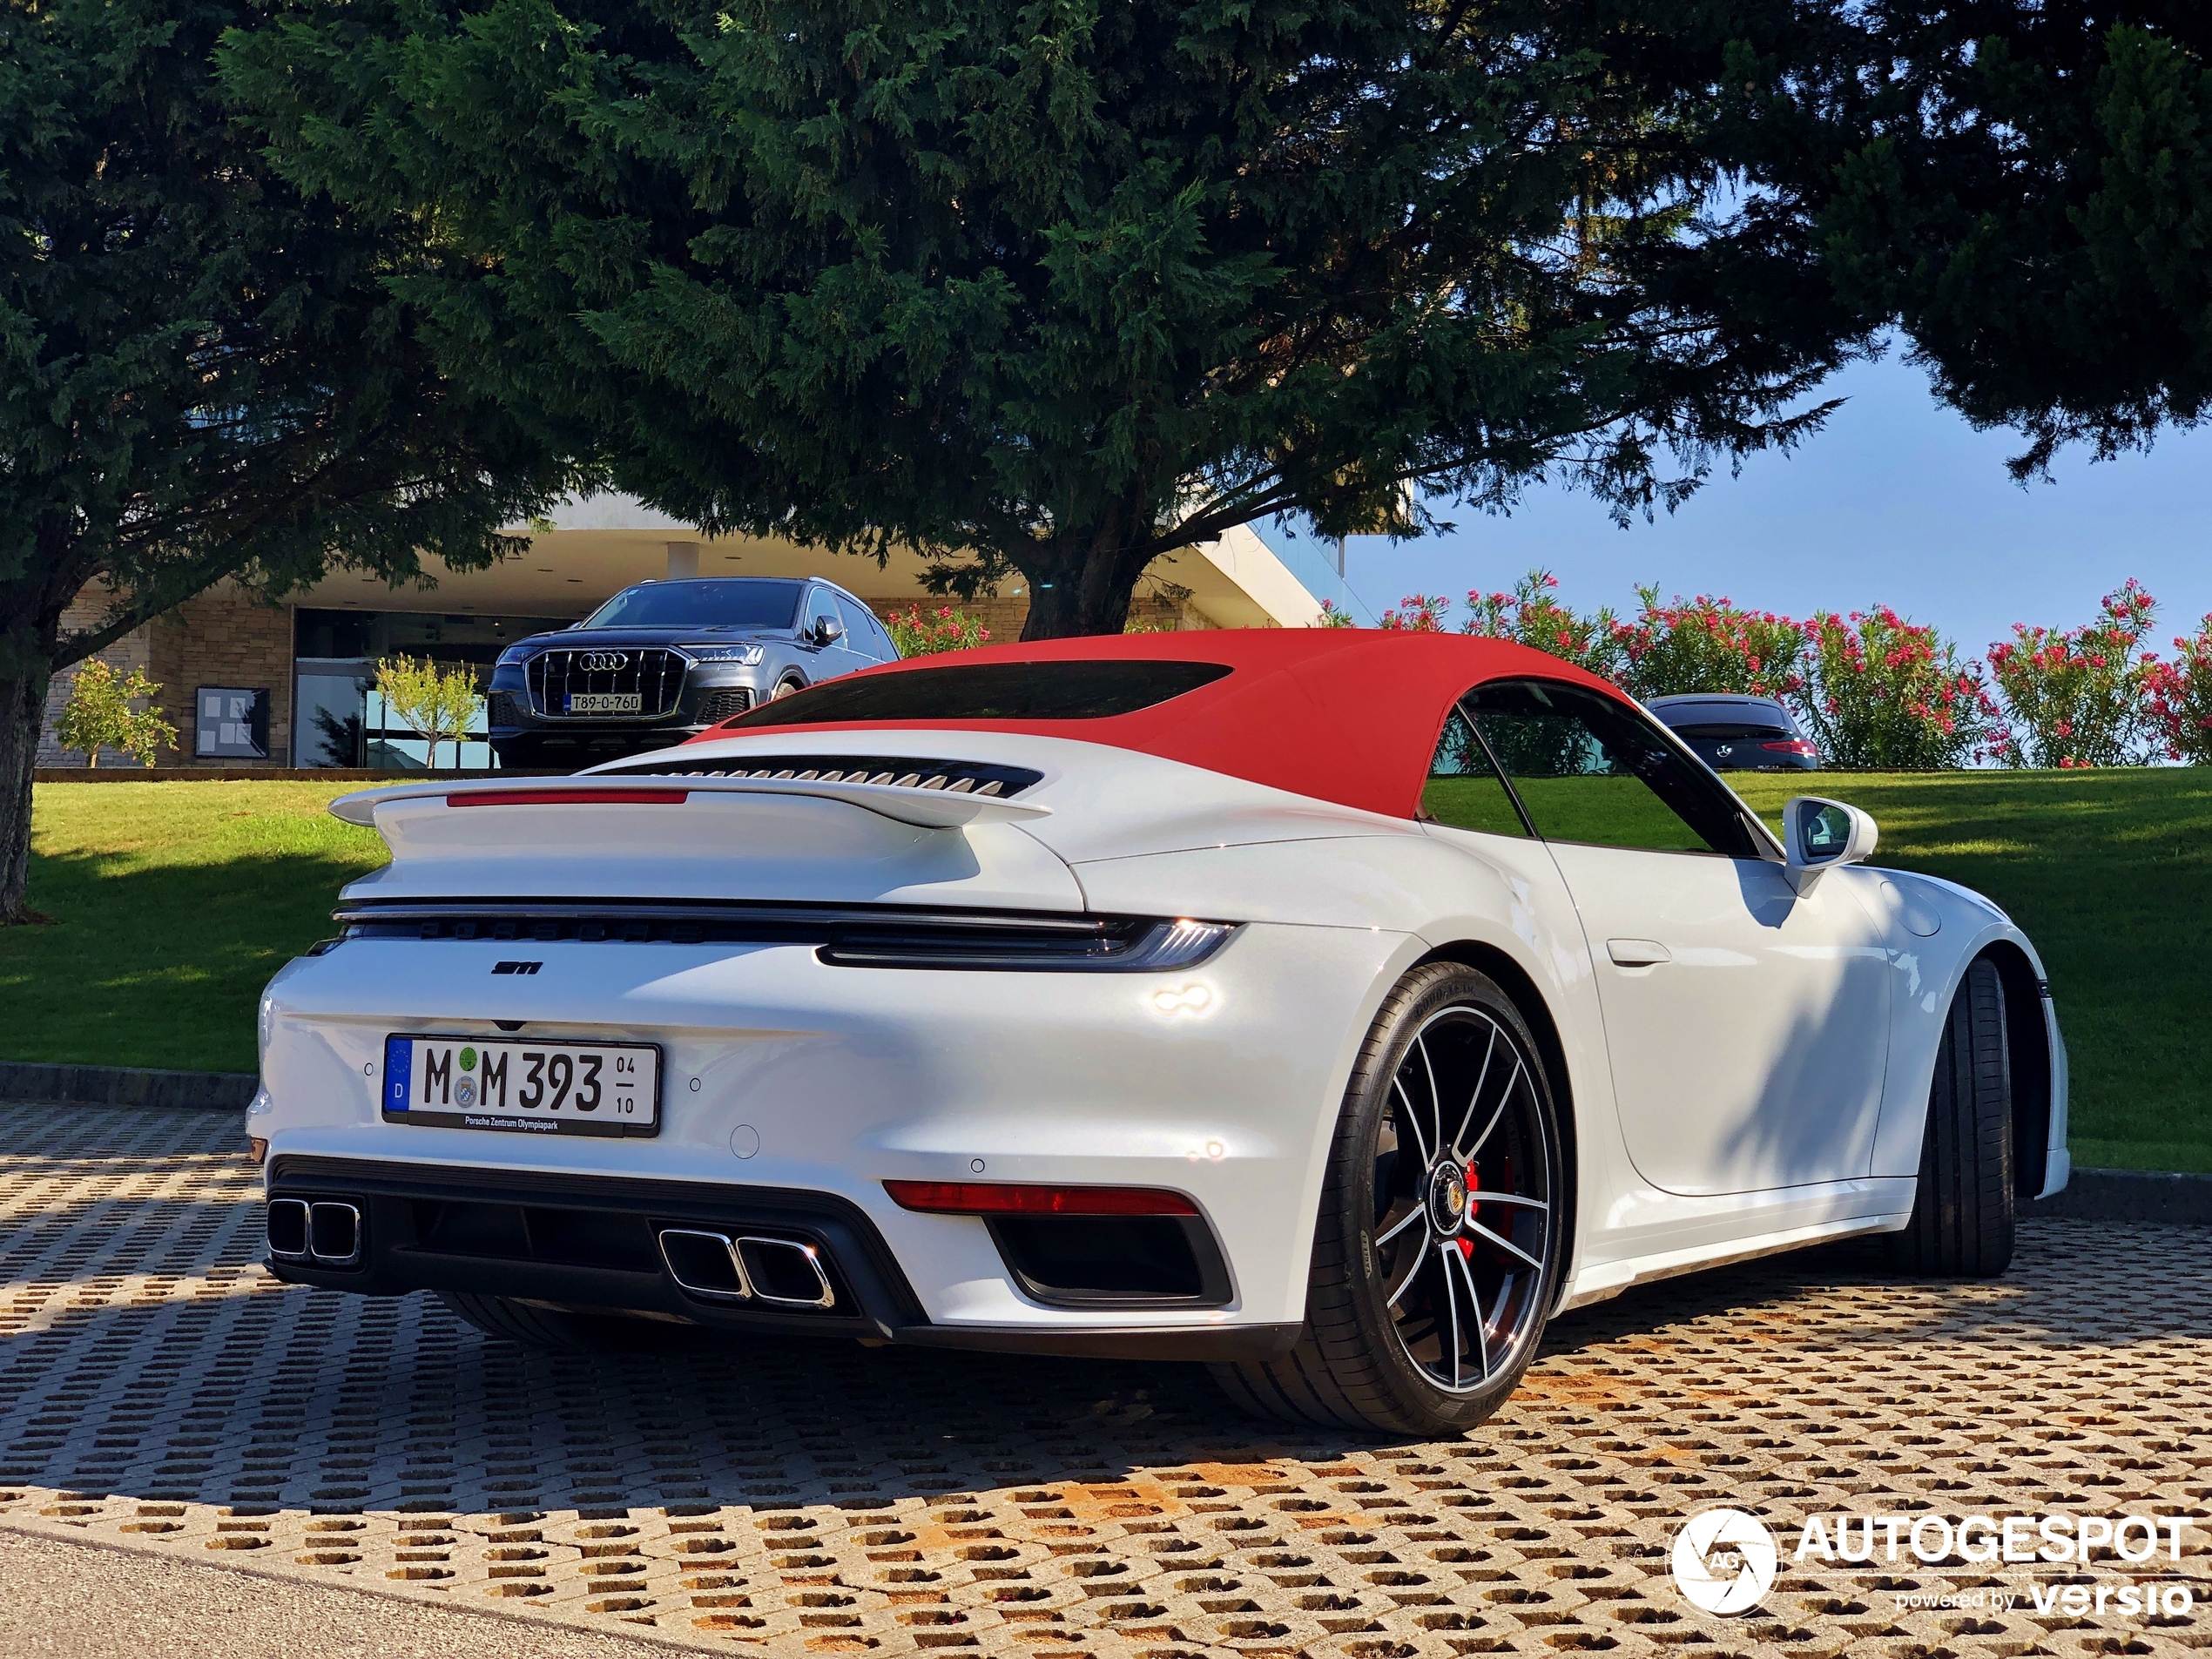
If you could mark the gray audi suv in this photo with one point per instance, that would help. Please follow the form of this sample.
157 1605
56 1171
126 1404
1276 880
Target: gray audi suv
663 661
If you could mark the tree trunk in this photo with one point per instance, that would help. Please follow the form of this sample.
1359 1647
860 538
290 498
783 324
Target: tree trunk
1081 584
23 713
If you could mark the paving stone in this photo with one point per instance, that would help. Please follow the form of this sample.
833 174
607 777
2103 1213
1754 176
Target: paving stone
158 1390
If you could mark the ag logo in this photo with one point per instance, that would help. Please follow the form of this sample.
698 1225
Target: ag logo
1724 1560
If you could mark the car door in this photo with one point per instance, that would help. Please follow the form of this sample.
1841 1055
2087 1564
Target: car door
1746 1023
836 658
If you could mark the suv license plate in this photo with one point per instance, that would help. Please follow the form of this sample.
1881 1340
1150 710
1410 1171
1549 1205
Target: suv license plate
541 1088
602 703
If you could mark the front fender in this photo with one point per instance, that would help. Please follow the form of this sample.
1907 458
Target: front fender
1929 969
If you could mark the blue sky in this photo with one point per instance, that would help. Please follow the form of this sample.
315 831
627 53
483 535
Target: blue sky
1897 501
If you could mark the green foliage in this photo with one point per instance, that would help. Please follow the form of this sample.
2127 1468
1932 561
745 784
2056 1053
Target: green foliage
1060 287
1708 644
2028 189
2179 696
2079 697
1881 693
1418 613
2109 871
916 635
436 703
202 373
98 715
1532 615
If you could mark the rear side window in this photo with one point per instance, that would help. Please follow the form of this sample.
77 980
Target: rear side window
1587 769
1046 690
1464 790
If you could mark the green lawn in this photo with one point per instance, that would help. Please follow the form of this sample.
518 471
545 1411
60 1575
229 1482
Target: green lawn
174 902
2110 873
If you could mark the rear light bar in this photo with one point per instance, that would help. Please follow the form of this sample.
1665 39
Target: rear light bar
1006 1198
569 798
1792 746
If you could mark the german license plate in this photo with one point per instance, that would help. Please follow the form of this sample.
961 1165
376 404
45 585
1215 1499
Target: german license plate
541 1088
602 702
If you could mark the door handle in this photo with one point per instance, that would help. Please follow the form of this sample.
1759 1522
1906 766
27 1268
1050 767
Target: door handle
1637 952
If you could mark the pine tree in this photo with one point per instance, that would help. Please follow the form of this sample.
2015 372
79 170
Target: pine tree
1060 287
201 374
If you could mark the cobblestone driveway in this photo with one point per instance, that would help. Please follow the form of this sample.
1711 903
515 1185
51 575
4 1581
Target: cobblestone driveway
157 1390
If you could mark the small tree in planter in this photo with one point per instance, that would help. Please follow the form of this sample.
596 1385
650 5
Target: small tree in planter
1883 694
2178 698
437 705
2077 697
98 715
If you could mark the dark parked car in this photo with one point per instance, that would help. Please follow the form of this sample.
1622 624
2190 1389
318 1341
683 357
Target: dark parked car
1733 733
663 661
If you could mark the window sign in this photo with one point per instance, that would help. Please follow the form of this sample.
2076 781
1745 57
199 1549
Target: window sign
231 722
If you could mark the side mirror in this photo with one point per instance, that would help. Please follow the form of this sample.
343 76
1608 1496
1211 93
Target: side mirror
828 631
1819 834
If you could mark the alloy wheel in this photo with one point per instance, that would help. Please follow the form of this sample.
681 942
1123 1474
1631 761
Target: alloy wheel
1462 1205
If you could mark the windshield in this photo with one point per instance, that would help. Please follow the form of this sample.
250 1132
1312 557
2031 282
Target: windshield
1049 691
731 602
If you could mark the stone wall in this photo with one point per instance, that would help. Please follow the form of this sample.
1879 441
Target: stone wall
224 637
88 610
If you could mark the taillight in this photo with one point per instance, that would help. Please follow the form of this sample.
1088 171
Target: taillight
1793 747
1007 1198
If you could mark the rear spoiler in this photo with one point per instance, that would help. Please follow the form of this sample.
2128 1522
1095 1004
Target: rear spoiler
927 808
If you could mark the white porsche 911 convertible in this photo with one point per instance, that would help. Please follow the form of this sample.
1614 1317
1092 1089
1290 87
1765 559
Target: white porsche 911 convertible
1334 1007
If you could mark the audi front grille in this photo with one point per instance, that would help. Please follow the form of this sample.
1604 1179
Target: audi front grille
651 673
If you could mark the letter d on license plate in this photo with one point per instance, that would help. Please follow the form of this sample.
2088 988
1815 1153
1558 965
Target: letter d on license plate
541 1088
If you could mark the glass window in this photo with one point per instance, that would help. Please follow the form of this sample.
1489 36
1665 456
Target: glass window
1058 690
1464 789
716 602
1587 769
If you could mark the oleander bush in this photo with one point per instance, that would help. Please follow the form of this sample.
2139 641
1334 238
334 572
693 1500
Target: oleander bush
1874 689
2079 697
2179 697
1883 694
917 633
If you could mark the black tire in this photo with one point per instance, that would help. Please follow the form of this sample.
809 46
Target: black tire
785 686
553 1331
1963 1210
1375 1357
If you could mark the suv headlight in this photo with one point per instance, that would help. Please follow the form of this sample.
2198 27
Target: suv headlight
746 656
513 655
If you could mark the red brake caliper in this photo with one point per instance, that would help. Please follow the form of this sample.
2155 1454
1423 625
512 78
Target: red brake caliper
1474 1181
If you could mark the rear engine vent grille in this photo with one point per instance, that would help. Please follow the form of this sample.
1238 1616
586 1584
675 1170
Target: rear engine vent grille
903 772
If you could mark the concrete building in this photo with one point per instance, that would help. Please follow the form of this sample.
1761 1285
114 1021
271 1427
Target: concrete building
256 686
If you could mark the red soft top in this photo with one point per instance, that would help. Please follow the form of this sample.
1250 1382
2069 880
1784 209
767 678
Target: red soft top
1348 715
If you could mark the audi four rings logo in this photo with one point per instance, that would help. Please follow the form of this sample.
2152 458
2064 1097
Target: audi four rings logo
603 662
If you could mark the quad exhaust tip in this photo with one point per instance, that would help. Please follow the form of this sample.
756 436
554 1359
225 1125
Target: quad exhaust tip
327 1231
782 1272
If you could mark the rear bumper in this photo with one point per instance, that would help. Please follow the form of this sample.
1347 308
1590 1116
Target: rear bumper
588 1243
